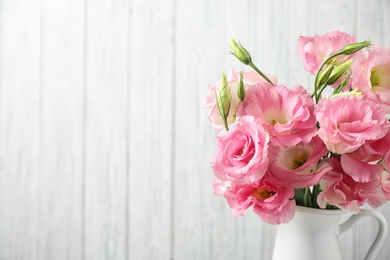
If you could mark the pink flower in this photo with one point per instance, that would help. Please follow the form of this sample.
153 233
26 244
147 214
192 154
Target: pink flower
286 114
371 75
362 164
386 161
273 204
220 186
249 78
385 177
340 190
385 185
347 122
297 166
241 153
315 49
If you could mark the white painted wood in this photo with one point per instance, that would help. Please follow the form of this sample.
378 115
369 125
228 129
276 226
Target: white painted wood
150 130
104 147
106 129
21 129
60 174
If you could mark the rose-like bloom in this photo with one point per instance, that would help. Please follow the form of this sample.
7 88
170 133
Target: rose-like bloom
241 154
371 74
340 190
286 114
315 49
386 161
385 177
249 78
273 204
297 166
362 164
220 186
347 122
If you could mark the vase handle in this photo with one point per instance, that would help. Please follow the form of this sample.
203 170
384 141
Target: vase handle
382 231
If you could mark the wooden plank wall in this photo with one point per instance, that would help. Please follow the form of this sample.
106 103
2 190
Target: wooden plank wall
104 147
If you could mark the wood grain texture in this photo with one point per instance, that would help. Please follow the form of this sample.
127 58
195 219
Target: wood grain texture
106 129
21 129
150 131
61 154
197 229
104 145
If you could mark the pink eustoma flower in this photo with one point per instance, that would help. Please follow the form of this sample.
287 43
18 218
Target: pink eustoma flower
286 114
385 176
315 49
249 78
385 185
220 186
362 164
297 166
340 190
347 122
241 155
386 161
273 204
371 75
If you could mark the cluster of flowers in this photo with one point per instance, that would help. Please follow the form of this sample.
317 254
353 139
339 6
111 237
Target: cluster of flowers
286 147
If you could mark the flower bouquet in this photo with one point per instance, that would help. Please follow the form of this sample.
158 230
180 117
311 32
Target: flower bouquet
279 147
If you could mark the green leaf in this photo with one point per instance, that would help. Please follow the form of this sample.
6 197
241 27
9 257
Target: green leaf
299 194
307 198
316 191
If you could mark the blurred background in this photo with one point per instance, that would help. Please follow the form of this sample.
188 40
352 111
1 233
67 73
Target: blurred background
104 145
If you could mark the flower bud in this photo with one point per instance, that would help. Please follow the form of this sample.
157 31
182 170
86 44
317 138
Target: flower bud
240 52
339 71
354 47
224 100
344 83
341 86
241 88
354 92
324 74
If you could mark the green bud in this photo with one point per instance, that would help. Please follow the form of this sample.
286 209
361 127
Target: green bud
354 47
341 86
344 83
324 74
354 92
240 52
339 71
243 55
241 88
224 100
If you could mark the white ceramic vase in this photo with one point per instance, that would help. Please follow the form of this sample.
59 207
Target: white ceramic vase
313 234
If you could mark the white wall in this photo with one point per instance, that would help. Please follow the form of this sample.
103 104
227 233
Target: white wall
104 147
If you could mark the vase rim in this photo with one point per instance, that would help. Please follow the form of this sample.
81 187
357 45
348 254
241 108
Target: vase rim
319 211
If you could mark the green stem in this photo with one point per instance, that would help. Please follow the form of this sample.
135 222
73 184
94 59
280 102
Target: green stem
322 88
225 123
253 66
316 86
